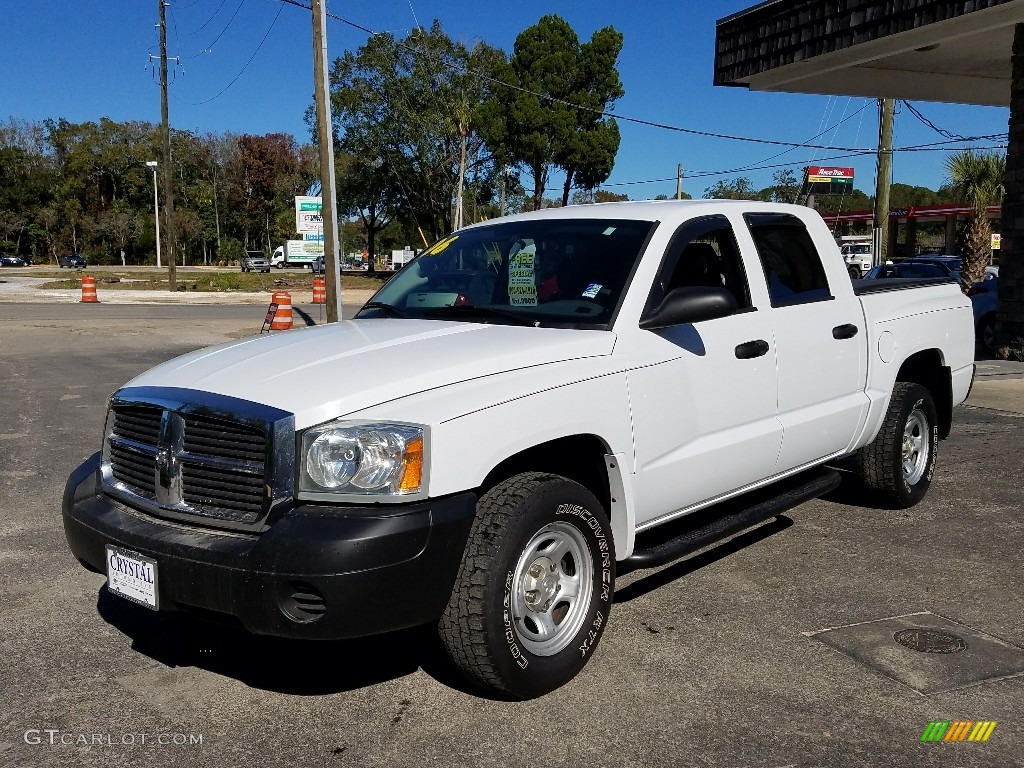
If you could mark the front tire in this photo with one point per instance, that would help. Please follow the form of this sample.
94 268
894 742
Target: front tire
854 272
533 592
897 466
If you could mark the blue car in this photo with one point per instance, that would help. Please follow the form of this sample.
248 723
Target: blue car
983 297
71 261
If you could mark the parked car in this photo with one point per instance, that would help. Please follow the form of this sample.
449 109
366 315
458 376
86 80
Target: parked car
12 261
954 264
317 265
71 261
907 269
983 297
255 261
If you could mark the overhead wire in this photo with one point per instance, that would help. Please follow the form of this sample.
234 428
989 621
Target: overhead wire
849 151
242 71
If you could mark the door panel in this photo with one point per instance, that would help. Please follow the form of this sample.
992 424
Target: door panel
705 420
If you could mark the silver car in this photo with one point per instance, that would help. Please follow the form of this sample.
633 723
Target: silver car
255 261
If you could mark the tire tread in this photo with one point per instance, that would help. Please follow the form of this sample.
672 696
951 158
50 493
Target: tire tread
874 463
461 626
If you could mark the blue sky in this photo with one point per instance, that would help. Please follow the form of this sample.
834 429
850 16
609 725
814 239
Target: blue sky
83 61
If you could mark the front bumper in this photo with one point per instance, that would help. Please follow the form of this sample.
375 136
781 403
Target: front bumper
319 571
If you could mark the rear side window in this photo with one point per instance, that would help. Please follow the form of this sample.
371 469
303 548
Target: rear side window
792 266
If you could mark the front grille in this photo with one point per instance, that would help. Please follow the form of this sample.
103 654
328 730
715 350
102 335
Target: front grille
140 423
136 470
226 493
196 461
217 437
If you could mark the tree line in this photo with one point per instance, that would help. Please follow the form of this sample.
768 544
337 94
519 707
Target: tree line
430 134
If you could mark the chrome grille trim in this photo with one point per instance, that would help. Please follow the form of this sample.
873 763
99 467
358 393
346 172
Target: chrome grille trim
212 459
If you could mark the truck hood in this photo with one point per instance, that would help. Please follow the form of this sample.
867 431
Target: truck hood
329 371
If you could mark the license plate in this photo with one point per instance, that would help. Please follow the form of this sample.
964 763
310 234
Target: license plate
132 576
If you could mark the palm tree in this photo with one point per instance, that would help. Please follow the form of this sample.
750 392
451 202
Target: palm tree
977 178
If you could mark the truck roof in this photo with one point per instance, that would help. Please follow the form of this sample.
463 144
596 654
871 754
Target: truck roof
651 210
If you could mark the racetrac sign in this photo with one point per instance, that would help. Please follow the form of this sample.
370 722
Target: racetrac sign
817 173
823 180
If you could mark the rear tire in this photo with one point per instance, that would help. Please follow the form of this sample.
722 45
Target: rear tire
897 466
533 592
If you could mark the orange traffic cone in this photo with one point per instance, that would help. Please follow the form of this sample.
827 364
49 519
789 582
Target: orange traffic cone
283 316
89 290
319 290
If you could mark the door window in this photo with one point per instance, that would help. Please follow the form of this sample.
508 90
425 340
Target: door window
703 253
792 266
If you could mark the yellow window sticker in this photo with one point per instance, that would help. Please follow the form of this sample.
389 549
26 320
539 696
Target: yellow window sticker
440 245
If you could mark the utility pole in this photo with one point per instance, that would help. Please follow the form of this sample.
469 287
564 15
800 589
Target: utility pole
165 131
679 181
883 177
328 187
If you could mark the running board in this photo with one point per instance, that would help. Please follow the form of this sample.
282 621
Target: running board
732 516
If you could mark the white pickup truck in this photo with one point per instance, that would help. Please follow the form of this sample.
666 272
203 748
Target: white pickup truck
529 405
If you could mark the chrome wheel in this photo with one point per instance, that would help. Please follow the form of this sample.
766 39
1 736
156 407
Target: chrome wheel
551 588
915 446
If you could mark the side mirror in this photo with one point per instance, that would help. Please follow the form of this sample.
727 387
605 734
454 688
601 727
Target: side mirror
690 304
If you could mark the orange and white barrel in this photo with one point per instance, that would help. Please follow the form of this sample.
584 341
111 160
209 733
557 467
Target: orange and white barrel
89 290
319 290
283 316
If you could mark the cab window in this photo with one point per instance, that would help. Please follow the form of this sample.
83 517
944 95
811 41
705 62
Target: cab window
792 266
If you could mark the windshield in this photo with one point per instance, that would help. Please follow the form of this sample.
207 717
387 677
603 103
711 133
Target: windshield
857 249
534 272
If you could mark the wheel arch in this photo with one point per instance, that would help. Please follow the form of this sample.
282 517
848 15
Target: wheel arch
928 369
585 459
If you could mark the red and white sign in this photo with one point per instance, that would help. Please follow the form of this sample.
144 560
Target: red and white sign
823 173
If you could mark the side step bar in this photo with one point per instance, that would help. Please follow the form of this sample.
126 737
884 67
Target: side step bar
697 531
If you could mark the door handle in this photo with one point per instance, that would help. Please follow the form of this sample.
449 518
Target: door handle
847 331
751 349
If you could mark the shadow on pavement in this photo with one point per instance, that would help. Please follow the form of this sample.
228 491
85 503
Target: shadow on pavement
297 667
678 570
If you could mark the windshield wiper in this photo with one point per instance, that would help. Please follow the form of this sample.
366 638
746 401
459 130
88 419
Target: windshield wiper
387 308
468 310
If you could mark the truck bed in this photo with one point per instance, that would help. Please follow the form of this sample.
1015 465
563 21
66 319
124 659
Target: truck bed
862 287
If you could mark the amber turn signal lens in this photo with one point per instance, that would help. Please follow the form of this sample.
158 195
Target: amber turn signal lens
413 475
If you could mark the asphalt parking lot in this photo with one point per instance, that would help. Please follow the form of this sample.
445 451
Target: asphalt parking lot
718 660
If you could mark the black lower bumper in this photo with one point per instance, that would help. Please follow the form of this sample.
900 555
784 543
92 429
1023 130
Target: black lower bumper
317 572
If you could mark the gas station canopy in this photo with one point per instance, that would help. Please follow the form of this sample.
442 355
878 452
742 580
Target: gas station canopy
925 50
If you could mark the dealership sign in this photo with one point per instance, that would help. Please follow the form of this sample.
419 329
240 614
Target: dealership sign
308 217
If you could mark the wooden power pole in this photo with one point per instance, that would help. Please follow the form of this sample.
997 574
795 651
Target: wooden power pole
165 134
883 177
325 137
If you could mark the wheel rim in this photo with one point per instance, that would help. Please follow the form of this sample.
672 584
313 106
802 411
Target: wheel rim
551 589
915 447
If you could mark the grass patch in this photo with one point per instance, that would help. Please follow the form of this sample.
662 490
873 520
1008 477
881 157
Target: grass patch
204 282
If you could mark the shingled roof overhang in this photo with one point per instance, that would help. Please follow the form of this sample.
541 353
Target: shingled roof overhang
927 50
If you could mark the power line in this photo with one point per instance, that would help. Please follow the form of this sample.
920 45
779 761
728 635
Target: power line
206 23
850 151
258 47
240 4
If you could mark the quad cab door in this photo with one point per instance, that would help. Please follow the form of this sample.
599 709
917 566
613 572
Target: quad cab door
703 394
819 342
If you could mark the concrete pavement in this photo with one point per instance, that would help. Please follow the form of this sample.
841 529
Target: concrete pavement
719 660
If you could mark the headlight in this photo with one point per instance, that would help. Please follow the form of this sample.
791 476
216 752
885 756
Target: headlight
362 459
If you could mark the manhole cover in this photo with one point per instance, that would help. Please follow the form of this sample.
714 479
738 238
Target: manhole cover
930 641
